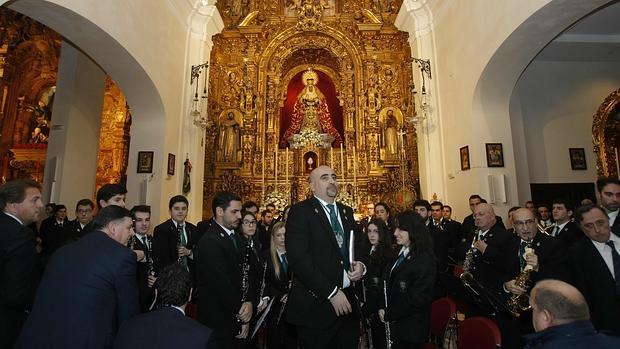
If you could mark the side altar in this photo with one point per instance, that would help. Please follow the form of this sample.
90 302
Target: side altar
308 83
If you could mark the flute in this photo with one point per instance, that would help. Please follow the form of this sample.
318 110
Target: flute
388 337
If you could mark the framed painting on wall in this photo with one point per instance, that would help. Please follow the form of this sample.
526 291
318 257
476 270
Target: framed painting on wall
577 158
145 162
464 152
495 155
171 164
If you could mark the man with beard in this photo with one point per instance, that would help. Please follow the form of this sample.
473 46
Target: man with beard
609 194
321 301
222 304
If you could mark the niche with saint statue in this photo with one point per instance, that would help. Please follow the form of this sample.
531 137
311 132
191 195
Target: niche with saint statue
392 136
229 150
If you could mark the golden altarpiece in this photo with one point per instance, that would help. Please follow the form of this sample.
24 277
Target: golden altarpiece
298 84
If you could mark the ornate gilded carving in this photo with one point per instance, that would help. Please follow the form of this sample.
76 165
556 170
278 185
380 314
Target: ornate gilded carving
252 64
114 137
604 134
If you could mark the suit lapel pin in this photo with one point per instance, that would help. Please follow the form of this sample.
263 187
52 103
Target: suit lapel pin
316 211
538 244
222 234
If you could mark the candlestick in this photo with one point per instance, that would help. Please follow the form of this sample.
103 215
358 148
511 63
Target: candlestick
331 156
355 171
276 169
263 168
342 162
286 153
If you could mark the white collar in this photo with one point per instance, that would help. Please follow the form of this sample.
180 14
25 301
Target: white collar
228 231
561 226
176 225
601 245
325 203
15 218
404 250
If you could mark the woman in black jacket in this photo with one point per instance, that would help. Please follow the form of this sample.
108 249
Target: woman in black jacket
410 281
378 246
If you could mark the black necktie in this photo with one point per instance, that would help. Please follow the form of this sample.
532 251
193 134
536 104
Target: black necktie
284 263
616 260
399 261
234 241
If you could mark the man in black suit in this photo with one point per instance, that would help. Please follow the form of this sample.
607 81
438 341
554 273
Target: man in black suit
174 239
565 229
88 290
317 245
469 226
83 221
595 265
609 195
51 230
538 252
222 304
141 241
266 218
441 238
20 201
166 327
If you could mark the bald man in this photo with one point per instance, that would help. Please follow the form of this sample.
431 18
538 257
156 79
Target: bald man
560 316
490 246
321 302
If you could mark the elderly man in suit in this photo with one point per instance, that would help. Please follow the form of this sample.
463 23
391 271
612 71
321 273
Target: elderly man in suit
595 264
322 302
88 290
222 304
166 327
20 201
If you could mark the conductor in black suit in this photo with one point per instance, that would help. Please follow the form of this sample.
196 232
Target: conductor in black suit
595 263
174 239
88 290
222 304
321 301
166 327
20 202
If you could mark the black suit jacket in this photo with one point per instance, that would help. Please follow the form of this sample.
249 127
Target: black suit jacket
52 234
441 244
490 268
19 273
218 276
570 234
552 259
315 261
162 328
410 293
616 227
165 250
146 293
73 231
87 292
376 263
592 277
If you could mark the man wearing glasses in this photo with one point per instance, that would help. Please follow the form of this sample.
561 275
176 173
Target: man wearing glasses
595 263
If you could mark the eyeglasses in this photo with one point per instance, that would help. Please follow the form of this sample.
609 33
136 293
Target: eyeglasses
601 223
250 223
520 224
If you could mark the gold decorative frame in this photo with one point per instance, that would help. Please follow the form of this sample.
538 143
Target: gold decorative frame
604 135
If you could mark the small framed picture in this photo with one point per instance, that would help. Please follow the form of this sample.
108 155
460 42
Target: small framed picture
171 164
464 151
495 155
145 162
577 158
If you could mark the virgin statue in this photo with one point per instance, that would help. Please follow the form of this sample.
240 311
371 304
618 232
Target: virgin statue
311 112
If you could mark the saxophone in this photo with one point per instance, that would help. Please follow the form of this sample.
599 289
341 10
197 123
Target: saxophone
520 303
466 275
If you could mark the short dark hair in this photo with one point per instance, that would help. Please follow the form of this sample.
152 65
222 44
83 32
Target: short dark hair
529 202
222 200
563 201
475 196
448 207
249 204
14 192
437 203
578 214
421 202
173 285
85 202
483 201
176 199
385 206
51 204
140 208
603 181
59 207
560 306
110 214
107 191
542 205
262 214
271 204
414 225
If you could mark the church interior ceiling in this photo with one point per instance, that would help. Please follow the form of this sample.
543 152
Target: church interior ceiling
298 84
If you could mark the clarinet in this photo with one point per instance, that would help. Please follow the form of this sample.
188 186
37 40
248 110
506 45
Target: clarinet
179 244
262 285
150 265
388 336
245 279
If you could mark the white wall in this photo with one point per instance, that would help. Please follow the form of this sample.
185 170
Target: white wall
557 102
